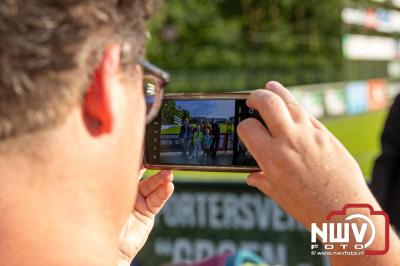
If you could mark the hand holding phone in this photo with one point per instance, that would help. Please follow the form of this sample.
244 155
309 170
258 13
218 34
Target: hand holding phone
308 172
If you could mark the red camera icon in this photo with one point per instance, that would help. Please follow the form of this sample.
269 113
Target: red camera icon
349 216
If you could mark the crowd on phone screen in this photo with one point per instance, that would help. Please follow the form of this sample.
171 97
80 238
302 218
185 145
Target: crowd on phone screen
202 139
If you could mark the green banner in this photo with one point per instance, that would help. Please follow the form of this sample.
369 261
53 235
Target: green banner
203 219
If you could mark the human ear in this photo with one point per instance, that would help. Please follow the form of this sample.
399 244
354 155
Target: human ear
97 109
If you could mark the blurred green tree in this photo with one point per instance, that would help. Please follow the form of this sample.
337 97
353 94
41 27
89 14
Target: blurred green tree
237 45
170 111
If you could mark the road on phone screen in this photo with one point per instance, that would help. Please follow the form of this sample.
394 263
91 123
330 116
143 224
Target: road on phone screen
176 157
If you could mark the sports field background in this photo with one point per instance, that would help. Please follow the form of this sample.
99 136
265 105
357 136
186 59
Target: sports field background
360 135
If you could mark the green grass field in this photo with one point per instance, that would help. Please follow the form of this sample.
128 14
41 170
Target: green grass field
359 134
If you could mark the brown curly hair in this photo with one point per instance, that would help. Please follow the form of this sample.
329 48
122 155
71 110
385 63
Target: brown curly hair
48 50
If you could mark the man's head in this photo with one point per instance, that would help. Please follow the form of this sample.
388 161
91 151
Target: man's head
72 110
49 51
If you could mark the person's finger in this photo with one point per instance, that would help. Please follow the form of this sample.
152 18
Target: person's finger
254 135
150 184
156 200
261 182
273 111
296 110
316 123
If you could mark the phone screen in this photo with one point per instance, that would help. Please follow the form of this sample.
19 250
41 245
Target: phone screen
199 132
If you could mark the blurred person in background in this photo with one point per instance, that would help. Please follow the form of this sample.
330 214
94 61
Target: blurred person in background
191 142
197 142
216 134
184 136
205 126
207 141
386 174
228 135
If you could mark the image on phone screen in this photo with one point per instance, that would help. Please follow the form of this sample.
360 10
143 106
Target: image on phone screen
199 132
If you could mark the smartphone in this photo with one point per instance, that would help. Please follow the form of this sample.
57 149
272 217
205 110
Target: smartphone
197 131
